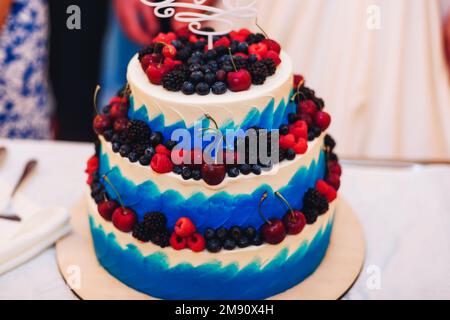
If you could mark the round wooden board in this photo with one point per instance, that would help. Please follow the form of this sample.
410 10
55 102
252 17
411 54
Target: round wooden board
334 277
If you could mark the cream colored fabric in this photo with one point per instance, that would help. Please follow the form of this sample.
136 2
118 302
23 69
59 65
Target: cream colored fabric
387 89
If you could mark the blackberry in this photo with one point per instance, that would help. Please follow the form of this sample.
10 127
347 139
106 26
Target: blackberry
141 233
155 222
140 148
270 66
138 131
311 215
174 80
314 200
255 38
330 142
161 239
259 72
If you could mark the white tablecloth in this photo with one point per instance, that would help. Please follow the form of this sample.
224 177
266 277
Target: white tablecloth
405 214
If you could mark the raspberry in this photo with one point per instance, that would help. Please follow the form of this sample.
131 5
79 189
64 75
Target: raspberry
196 242
161 149
178 243
287 141
301 146
161 164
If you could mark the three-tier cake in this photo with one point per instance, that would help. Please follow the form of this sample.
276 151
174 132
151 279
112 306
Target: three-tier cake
170 224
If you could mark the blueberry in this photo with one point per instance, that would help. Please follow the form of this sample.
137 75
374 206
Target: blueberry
235 233
250 232
100 197
115 138
282 155
253 58
96 188
177 170
256 169
233 172
284 130
156 138
210 234
195 67
197 76
150 151
213 65
213 246
229 244
243 242
257 240
221 50
125 150
245 169
199 45
290 154
210 78
146 159
177 44
228 67
202 89
188 88
194 60
311 136
219 88
267 164
133 156
317 131
183 55
211 54
293 118
243 47
108 134
170 144
196 175
116 147
222 233
186 173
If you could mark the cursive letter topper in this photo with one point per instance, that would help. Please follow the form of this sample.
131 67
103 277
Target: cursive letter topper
166 9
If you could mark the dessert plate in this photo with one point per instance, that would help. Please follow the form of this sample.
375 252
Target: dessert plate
334 277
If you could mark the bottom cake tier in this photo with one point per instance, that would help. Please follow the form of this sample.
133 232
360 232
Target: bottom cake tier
251 273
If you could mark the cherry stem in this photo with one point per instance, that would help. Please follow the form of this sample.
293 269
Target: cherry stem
105 177
263 198
210 118
232 60
260 28
298 92
279 195
97 90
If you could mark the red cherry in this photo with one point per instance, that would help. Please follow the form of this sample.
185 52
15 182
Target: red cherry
161 149
297 79
308 107
322 120
161 163
177 242
184 227
301 146
169 51
120 125
294 222
107 208
196 243
335 167
101 123
118 110
274 56
287 141
124 219
239 81
260 49
272 45
334 180
221 75
156 72
146 61
273 231
213 174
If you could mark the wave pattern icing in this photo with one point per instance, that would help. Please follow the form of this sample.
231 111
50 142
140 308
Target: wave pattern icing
153 275
221 209
269 118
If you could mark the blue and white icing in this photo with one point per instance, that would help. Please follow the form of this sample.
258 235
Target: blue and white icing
252 273
233 203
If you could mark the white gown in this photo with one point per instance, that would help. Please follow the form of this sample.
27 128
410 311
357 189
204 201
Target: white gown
387 89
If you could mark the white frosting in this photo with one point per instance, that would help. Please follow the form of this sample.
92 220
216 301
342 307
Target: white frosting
231 106
278 177
242 257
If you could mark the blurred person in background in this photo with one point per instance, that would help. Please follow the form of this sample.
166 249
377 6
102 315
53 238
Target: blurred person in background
380 66
25 99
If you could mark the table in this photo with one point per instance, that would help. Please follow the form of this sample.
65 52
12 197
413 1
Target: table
405 214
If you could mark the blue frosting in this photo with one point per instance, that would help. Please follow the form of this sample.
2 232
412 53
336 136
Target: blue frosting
221 209
152 275
270 118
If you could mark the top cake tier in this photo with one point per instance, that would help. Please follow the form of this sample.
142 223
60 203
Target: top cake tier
265 106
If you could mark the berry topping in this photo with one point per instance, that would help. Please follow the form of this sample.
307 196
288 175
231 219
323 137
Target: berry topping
124 219
141 233
161 164
213 245
322 120
107 208
177 242
213 174
240 80
274 231
102 123
196 242
184 227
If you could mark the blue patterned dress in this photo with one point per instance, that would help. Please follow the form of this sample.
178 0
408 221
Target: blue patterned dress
25 100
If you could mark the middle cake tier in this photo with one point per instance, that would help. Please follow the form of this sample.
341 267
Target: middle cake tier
232 203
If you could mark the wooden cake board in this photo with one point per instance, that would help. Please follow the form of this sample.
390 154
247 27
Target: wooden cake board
334 277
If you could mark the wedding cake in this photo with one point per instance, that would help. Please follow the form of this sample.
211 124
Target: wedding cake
174 223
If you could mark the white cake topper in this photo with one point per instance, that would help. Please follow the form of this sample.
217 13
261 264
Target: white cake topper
231 9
